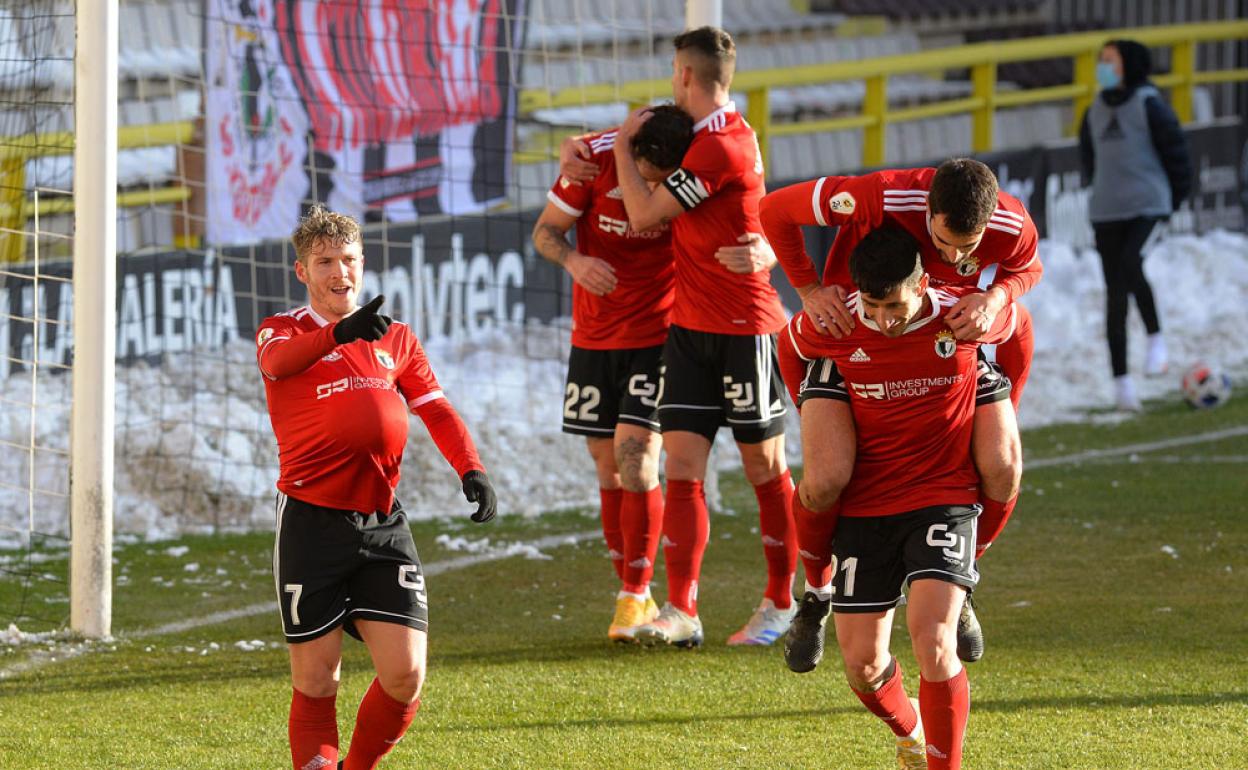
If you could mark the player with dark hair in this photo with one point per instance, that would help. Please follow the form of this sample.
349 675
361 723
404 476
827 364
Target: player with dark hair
621 307
344 556
971 234
908 514
719 359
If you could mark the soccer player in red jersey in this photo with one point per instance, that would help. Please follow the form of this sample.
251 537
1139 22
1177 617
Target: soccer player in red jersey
908 514
719 360
621 306
970 234
339 381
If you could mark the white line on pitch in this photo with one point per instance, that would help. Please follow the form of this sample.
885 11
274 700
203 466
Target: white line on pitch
1148 446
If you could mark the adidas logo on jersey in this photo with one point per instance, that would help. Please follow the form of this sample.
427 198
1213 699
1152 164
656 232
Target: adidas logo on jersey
616 193
860 356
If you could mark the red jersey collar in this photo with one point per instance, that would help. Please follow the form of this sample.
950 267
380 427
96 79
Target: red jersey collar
722 111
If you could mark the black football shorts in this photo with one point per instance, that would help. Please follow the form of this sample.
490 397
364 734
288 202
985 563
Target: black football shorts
711 380
334 567
877 555
605 387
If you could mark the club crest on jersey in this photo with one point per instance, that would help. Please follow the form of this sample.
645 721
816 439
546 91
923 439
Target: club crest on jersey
263 336
384 358
946 346
967 266
842 203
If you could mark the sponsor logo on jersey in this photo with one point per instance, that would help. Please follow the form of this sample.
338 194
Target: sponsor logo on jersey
332 357
611 225
946 345
325 390
968 265
842 203
621 227
616 193
384 358
860 356
911 388
263 336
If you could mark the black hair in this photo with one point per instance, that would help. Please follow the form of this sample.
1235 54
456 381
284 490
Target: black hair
965 191
1137 63
663 139
716 54
884 261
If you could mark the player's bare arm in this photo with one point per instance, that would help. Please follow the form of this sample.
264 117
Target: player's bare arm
574 160
646 208
783 212
754 257
550 238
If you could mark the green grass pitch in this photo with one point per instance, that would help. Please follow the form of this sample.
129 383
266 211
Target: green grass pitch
1115 608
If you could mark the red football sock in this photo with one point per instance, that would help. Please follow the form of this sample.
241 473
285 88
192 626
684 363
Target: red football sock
991 522
775 524
313 729
610 500
379 724
945 707
686 528
641 520
815 530
891 704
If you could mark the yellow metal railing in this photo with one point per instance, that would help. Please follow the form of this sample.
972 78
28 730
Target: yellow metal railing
982 59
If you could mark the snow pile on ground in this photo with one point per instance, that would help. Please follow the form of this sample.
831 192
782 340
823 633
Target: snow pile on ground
195 451
1200 283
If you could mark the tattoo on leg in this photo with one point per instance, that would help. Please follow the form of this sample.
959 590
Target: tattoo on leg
630 456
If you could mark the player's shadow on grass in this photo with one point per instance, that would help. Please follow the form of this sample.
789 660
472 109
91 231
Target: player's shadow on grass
52 678
543 651
1005 706
650 721
1153 700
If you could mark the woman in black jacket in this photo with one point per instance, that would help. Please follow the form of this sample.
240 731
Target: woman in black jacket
1136 155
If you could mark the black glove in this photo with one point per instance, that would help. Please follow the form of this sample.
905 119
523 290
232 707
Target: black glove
363 324
478 490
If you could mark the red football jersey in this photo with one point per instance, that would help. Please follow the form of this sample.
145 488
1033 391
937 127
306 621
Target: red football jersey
720 183
860 204
341 424
637 312
913 401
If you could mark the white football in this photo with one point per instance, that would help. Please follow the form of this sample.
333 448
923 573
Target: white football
1205 387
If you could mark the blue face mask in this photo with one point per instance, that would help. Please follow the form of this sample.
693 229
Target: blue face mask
1106 77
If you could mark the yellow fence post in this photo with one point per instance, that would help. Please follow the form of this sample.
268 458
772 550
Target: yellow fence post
875 105
983 88
13 204
1085 77
758 115
1183 65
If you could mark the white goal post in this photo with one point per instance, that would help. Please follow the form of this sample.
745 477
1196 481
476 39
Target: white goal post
95 319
